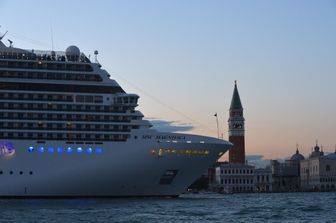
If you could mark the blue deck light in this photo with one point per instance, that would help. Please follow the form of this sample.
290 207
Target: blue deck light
41 149
30 149
89 150
51 149
99 150
79 149
60 150
69 150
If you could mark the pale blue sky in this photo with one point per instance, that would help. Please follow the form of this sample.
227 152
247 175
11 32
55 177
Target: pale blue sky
188 54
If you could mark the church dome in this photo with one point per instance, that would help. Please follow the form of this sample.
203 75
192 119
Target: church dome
316 152
297 156
331 156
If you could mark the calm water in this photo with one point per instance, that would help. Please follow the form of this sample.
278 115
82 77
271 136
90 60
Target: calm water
291 207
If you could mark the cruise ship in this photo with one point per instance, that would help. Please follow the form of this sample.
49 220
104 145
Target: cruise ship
67 129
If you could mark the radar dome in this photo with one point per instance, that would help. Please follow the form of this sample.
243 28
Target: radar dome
72 53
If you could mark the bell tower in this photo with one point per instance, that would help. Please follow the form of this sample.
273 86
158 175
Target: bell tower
236 129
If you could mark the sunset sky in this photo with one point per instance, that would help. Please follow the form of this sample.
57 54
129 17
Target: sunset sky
182 58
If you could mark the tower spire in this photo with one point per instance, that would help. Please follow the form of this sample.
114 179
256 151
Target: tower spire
297 148
236 102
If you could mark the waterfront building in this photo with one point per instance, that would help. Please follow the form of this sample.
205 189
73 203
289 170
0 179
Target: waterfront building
263 179
318 172
236 129
286 175
235 178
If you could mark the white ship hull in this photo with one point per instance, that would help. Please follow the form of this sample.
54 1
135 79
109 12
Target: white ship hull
121 169
52 101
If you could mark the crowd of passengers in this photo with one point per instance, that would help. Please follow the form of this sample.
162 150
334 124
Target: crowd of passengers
43 57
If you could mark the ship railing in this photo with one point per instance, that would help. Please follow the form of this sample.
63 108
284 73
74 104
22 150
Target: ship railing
43 56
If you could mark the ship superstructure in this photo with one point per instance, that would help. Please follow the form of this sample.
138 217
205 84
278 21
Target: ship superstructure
67 129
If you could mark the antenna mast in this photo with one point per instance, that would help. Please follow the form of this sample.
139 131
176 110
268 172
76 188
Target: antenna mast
217 124
96 55
52 38
10 43
1 37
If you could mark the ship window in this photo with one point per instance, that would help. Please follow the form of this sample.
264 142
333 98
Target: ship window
80 98
89 99
98 99
31 172
10 172
1 172
21 172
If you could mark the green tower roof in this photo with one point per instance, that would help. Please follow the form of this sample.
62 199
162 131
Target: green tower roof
235 102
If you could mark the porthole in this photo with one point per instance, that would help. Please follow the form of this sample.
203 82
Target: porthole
1 172
10 172
89 150
30 149
21 172
31 172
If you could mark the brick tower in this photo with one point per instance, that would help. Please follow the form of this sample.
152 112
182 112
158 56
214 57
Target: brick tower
236 129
